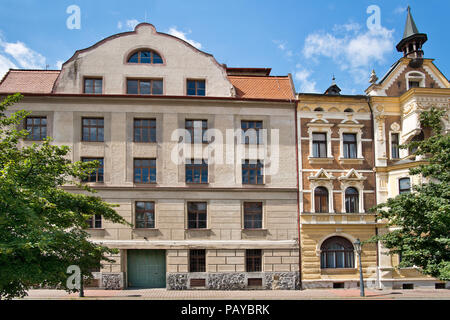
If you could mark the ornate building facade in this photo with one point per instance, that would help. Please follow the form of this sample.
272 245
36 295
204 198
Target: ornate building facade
230 179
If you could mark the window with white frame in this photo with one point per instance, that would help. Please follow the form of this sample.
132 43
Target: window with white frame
319 132
415 79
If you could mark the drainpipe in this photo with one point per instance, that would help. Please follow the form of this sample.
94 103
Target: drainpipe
375 179
298 199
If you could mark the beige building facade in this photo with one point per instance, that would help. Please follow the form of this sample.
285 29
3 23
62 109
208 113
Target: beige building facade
229 178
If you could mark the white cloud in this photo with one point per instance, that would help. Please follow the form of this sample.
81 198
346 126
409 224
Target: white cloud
131 24
24 56
59 64
400 10
5 65
283 46
354 52
302 77
182 35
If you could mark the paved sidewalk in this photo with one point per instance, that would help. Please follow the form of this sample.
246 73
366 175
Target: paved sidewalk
312 294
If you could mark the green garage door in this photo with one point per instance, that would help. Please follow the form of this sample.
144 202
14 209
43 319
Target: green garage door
146 268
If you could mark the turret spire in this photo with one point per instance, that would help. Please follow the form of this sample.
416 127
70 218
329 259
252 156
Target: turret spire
411 44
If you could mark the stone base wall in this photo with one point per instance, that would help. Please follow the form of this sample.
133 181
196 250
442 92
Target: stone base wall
328 284
112 281
234 280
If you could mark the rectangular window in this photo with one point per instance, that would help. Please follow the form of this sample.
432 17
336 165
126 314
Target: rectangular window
197 261
197 131
253 258
252 172
95 222
93 85
349 145
144 170
196 88
253 215
319 145
414 84
145 214
196 215
144 130
96 175
196 171
404 185
145 86
93 129
251 132
395 154
37 128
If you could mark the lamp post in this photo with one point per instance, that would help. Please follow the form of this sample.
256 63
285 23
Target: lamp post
357 245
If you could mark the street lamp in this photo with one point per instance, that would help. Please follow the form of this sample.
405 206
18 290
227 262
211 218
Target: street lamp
358 246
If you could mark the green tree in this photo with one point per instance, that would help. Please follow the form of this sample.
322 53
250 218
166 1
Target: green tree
420 220
42 225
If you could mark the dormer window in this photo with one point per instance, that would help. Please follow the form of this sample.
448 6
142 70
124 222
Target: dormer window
145 56
415 79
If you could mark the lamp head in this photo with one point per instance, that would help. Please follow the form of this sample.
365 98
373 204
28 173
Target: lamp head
357 245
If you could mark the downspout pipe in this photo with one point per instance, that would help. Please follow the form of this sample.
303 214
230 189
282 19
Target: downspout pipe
375 179
298 198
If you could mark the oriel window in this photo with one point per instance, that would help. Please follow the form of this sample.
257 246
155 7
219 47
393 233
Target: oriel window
395 151
404 185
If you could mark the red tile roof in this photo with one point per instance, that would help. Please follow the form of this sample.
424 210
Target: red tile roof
263 87
247 87
28 81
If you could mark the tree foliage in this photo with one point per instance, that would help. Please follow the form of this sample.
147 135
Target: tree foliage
420 221
42 226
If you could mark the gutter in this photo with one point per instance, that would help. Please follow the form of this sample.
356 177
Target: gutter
298 199
376 201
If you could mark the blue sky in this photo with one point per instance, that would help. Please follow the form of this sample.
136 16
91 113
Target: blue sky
312 40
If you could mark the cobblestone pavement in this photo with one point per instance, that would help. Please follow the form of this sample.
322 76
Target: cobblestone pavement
312 294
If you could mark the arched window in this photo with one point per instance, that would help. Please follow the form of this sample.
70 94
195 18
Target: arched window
145 56
336 252
321 200
351 200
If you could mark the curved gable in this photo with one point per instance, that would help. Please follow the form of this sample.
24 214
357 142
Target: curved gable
108 59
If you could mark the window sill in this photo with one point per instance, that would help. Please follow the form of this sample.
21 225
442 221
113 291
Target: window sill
253 184
314 160
200 229
143 185
351 160
254 230
338 271
197 183
146 229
